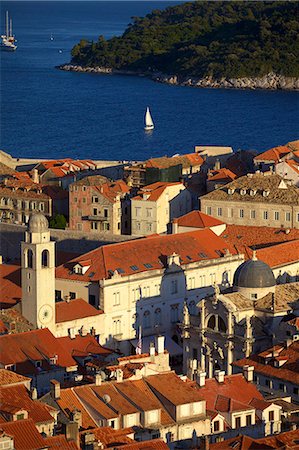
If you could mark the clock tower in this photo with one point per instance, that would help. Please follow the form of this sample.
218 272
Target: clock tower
38 274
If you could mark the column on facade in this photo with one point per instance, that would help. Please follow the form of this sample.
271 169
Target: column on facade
248 337
230 357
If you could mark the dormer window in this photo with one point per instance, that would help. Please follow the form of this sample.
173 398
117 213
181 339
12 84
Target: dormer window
266 193
81 267
231 191
243 191
252 192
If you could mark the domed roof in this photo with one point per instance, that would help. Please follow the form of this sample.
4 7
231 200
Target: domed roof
254 274
38 223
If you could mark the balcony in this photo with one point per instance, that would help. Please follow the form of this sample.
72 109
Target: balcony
99 218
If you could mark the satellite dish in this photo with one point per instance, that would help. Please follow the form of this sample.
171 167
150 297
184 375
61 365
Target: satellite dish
106 398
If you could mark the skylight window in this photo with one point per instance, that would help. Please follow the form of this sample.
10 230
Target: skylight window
120 270
203 255
91 274
219 252
189 257
134 267
148 265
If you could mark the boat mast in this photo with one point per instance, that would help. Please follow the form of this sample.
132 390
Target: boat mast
6 23
10 32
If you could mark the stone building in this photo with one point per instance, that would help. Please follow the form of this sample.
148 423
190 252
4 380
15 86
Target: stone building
156 205
144 282
19 199
232 325
99 205
264 199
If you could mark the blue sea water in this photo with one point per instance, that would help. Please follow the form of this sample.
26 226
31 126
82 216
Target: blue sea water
49 113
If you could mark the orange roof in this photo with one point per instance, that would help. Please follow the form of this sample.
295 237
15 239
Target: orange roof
150 253
197 219
174 389
111 190
108 435
14 398
279 441
25 434
241 236
74 309
10 285
69 401
54 442
190 159
293 164
234 387
289 371
8 377
154 191
279 254
23 349
273 154
154 444
82 346
221 175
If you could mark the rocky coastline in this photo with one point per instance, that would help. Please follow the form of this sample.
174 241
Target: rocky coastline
271 81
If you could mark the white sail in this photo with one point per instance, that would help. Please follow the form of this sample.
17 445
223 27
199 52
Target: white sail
149 124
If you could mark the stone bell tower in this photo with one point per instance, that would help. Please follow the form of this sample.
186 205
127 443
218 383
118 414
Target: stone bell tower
38 274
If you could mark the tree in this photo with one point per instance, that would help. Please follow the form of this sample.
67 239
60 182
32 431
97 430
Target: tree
58 221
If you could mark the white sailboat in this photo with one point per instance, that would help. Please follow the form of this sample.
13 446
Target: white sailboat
149 124
8 40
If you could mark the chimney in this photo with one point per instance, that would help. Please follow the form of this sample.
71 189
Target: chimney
201 378
119 375
67 298
72 333
219 376
34 393
55 389
35 177
76 416
217 165
206 443
160 344
152 351
88 440
1 260
248 372
72 432
98 379
175 227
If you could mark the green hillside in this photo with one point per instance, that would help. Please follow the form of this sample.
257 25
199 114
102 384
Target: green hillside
220 39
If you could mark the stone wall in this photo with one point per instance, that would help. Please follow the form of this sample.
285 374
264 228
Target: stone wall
69 241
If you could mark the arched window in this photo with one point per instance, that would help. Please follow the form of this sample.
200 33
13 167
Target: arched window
29 258
212 322
147 319
221 324
45 258
158 316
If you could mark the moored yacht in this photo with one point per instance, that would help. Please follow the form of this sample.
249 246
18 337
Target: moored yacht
8 40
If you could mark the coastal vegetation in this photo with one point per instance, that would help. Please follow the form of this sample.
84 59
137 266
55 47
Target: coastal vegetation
216 39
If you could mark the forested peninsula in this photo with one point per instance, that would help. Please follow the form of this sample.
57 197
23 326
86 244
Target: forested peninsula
204 43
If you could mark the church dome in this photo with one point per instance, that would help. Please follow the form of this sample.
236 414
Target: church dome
38 223
254 274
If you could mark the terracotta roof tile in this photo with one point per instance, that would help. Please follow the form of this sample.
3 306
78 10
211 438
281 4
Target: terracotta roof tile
234 387
25 434
173 388
222 174
60 441
82 346
23 349
69 401
154 444
109 436
74 309
273 154
191 159
130 257
289 371
10 285
8 377
197 219
153 192
16 397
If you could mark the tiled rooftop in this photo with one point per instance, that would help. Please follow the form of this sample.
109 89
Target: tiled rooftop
25 434
190 159
8 377
154 191
197 219
289 371
130 257
251 188
10 285
74 309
